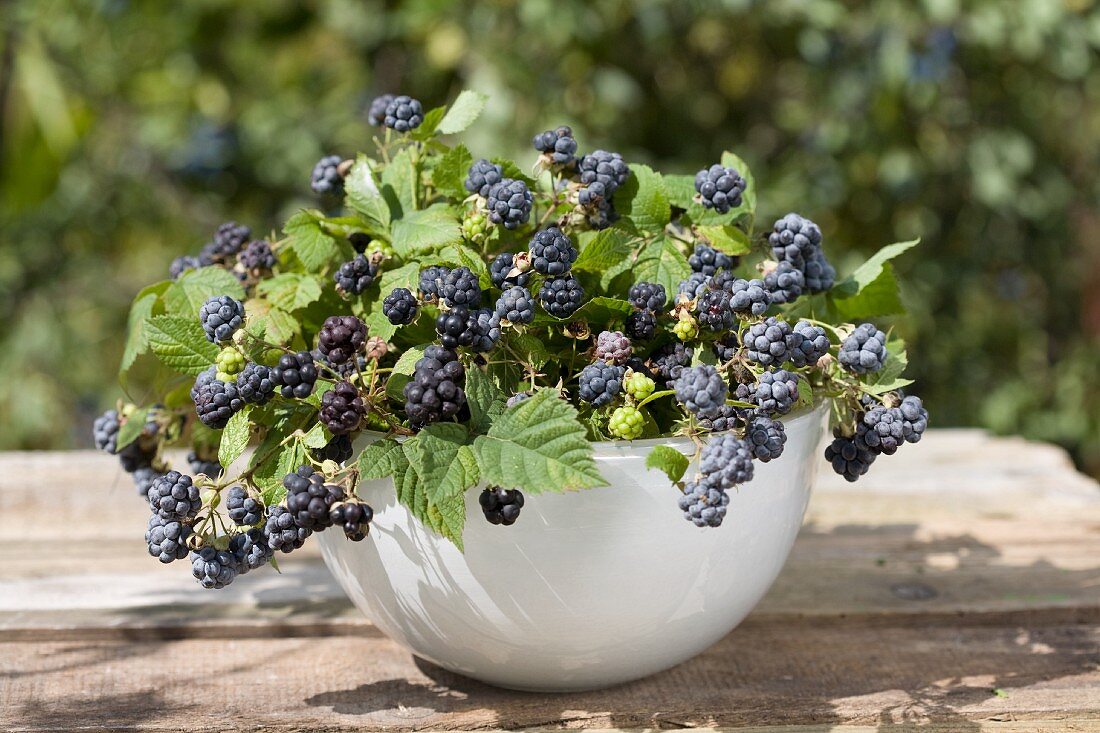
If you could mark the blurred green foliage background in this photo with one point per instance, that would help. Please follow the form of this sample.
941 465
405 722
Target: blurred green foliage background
129 129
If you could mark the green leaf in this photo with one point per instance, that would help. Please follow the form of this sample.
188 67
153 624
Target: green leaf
271 324
145 304
290 291
531 347
180 343
681 190
466 108
378 325
539 445
889 377
399 179
870 270
427 129
406 276
609 248
317 437
511 170
660 394
407 361
748 198
131 429
644 200
484 398
446 467
268 477
317 250
726 238
424 230
235 437
662 262
193 288
668 459
461 255
880 297
450 172
363 195
382 458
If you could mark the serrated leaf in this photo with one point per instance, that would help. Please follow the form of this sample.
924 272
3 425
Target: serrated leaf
511 170
364 197
271 324
407 361
406 276
889 377
538 446
450 172
131 429
316 249
459 255
446 467
180 343
290 291
399 179
662 262
466 108
193 288
608 249
235 437
668 459
382 458
644 200
681 190
870 270
748 197
378 325
428 229
484 398
427 129
880 297
146 303
530 347
726 238
277 463
317 437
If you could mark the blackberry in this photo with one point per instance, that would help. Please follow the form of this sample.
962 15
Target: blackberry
182 264
516 305
435 391
558 144
766 341
669 361
725 462
309 498
213 568
228 240
765 437
105 431
517 398
143 479
376 114
719 188
638 385
339 450
173 496
500 268
342 409
561 296
819 274
355 276
648 296
461 287
714 310
403 113
613 347
600 383
326 179
255 384
205 377
501 506
627 423
509 203
707 260
251 550
431 281
552 253
748 296
198 465
807 343
881 429
774 393
482 176
694 286
216 402
282 532
353 517
455 327
295 374
701 389
914 417
864 351
726 417
795 239
785 283
221 316
244 510
601 174
257 257
400 306
848 458
641 325
702 505
167 538
341 337
486 329
727 347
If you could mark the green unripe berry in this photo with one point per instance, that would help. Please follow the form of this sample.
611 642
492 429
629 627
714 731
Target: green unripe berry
229 363
627 422
686 328
475 226
639 386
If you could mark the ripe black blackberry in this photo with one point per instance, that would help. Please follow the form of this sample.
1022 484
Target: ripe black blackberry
182 264
431 281
376 114
693 286
309 498
339 450
167 538
482 176
255 384
601 173
701 390
105 431
143 479
785 283
326 179
516 305
509 203
774 392
173 496
669 361
648 296
819 274
864 351
221 316
703 505
714 310
295 374
748 296
400 306
213 568
355 276
282 531
486 326
456 327
719 188
341 337
436 389
205 377
257 257
243 509
403 113
766 341
251 549
727 347
600 383
216 402
765 437
641 325
500 268
501 506
198 465
342 409
461 287
613 347
707 260
353 517
726 417
558 145
561 296
228 240
725 462
881 429
847 457
795 239
914 417
807 343
552 253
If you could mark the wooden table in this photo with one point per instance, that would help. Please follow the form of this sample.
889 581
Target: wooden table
957 584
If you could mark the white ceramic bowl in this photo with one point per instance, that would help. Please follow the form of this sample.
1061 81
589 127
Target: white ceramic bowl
587 589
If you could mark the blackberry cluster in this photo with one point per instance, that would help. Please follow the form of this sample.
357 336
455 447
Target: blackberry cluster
376 114
701 389
797 241
881 429
626 423
766 341
719 188
765 437
257 257
552 253
848 457
403 113
669 361
641 325
819 274
338 450
486 330
174 497
714 310
282 531
482 176
221 316
726 347
707 260
600 383
725 462
914 417
342 409
864 351
601 174
785 283
216 402
431 281
726 417
703 505
638 385
182 264
255 384
399 307
774 393
561 296
251 549
748 296
309 498
295 374
204 378
807 343
694 286
648 296
105 431
436 389
198 465
326 179
214 568
558 144
143 479
686 327
456 327
509 203
353 517
613 347
516 305
341 337
500 268
460 287
243 510
501 506
228 240
167 538
355 276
